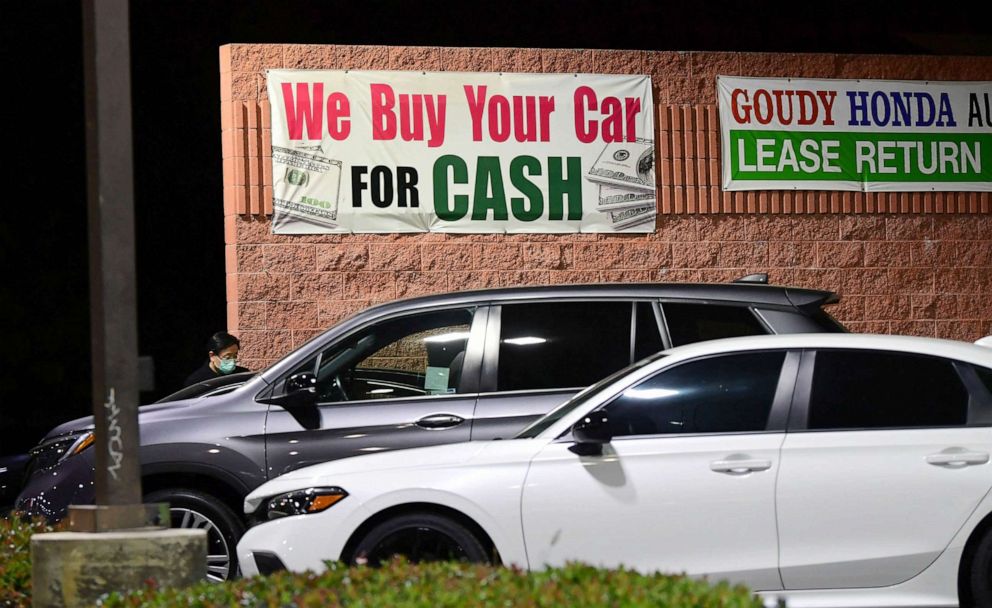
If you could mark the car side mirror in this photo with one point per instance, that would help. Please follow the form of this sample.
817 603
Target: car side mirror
300 391
591 433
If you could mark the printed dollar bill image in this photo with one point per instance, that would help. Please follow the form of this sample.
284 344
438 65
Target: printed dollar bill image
626 164
306 188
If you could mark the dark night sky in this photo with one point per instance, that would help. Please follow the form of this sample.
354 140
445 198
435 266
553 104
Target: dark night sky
44 316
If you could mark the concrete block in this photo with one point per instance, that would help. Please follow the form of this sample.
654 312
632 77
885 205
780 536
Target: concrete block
71 569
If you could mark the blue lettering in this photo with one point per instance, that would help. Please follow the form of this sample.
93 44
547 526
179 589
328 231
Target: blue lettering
945 112
859 103
875 97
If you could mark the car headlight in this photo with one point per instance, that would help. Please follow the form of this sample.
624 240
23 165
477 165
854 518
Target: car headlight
302 502
57 449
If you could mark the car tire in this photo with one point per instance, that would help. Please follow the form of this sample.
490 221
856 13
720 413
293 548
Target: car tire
980 576
194 509
442 539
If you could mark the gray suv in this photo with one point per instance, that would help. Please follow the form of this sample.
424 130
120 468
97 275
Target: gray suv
425 371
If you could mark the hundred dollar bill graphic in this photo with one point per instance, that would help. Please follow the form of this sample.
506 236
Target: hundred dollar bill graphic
306 187
624 219
612 197
626 164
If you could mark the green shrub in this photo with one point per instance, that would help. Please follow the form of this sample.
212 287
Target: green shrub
403 585
15 559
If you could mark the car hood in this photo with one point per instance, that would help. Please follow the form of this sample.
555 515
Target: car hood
475 453
144 412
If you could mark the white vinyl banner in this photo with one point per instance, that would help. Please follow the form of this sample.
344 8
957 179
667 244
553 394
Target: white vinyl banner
363 151
871 135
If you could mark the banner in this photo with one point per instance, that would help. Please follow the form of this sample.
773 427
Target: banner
870 135
363 151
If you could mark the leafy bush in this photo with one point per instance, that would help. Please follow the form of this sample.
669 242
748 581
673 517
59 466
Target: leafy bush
403 585
15 559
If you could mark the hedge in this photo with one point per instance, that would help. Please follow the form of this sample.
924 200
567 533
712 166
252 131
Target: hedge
398 584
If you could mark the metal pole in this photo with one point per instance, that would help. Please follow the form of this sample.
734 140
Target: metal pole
113 318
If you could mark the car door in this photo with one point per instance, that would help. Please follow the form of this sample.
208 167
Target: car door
886 458
406 381
538 354
687 483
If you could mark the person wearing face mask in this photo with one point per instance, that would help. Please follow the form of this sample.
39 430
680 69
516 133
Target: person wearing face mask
222 359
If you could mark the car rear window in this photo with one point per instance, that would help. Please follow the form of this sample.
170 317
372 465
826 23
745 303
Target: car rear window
688 323
877 389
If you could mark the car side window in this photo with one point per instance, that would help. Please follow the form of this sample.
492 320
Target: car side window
648 337
415 355
985 375
688 323
725 394
854 389
562 344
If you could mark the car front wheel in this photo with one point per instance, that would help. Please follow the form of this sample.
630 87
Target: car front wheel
419 537
196 510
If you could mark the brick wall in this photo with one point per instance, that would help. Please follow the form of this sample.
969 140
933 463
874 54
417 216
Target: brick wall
913 263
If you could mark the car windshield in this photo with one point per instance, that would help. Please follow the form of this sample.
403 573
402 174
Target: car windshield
539 425
209 387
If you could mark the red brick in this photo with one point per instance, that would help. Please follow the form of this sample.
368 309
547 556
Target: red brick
462 281
316 56
860 228
722 228
963 228
723 275
964 280
695 255
973 253
251 315
628 276
618 62
288 258
850 308
316 286
367 57
666 65
705 67
258 344
372 286
675 228
330 313
594 256
410 284
887 308
839 255
735 255
911 280
888 254
447 257
467 59
302 336
639 256
574 277
546 256
394 257
259 286
525 277
565 61
497 257
968 331
517 60
791 254
932 253
908 228
869 327
678 275
291 315
255 57
415 58
342 257
925 329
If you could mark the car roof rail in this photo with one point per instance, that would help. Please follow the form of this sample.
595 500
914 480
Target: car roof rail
758 277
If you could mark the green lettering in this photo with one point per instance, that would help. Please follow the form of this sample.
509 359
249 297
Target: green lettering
520 168
459 176
559 186
488 176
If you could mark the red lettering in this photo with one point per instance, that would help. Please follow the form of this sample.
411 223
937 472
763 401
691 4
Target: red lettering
633 108
303 111
383 117
499 118
828 106
736 108
525 120
547 107
476 106
613 123
412 119
338 113
780 109
585 99
767 116
807 117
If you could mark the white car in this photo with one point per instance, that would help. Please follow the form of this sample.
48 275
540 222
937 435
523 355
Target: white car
825 469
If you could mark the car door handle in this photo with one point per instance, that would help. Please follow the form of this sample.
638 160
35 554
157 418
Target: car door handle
440 421
740 467
957 458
